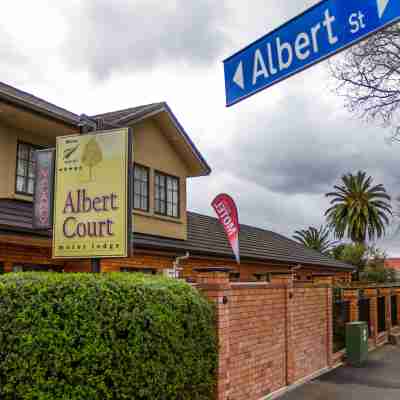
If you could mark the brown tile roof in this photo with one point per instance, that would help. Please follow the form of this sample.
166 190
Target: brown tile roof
114 117
205 237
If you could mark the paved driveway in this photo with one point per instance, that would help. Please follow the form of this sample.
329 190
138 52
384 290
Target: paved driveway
379 379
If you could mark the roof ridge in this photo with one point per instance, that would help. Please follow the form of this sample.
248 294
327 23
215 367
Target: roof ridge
122 110
26 96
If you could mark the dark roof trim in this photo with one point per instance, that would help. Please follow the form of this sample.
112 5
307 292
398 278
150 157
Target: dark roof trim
163 107
148 243
29 102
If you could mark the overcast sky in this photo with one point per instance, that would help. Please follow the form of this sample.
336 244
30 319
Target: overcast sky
276 153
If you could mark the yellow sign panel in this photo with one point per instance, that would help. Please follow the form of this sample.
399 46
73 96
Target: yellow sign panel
91 195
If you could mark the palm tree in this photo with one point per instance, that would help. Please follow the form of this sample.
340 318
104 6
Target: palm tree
358 209
316 239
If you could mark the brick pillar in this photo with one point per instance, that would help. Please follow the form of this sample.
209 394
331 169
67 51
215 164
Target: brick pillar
372 294
351 296
288 280
214 282
388 307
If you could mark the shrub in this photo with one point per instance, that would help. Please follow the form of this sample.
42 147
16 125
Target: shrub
111 336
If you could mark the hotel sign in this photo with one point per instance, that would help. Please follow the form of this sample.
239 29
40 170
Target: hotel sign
92 210
43 197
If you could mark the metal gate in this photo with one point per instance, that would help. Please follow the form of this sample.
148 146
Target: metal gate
395 319
381 314
341 316
364 313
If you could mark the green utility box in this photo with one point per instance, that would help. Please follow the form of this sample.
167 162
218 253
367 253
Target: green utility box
357 343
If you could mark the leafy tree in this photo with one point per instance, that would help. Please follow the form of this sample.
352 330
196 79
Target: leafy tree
351 253
92 155
375 270
368 77
369 262
316 239
359 210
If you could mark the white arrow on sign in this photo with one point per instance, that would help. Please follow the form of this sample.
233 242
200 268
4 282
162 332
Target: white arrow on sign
239 76
382 4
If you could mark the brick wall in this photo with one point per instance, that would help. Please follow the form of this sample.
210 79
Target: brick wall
309 330
257 340
270 335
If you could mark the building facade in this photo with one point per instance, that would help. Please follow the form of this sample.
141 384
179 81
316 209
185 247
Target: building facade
165 234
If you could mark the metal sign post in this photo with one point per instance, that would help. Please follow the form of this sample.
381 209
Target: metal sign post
320 32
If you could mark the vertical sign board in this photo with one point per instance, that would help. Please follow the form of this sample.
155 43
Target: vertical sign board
43 196
92 195
320 32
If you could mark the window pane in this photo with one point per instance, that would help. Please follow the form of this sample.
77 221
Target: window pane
162 194
136 201
137 187
22 151
169 184
175 184
169 196
21 184
22 168
169 209
161 207
175 210
31 171
141 176
26 165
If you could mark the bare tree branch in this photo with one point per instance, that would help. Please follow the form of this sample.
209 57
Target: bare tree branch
367 76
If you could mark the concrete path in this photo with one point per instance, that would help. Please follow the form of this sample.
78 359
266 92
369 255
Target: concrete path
379 379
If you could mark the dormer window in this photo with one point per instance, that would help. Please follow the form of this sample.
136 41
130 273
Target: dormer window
25 177
166 195
141 188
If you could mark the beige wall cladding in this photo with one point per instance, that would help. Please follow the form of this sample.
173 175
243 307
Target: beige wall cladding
152 149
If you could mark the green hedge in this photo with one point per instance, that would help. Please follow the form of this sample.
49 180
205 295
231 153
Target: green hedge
110 336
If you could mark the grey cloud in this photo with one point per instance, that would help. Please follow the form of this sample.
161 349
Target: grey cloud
301 147
14 64
121 36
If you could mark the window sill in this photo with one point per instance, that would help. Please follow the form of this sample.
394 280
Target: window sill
23 197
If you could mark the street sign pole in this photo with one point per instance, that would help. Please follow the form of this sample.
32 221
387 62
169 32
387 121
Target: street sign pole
320 32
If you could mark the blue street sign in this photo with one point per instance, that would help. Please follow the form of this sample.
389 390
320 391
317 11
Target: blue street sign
323 30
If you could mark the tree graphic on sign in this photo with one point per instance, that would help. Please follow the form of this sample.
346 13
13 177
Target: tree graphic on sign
92 155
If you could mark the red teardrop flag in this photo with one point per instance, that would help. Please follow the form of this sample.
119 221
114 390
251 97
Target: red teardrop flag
227 213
